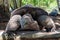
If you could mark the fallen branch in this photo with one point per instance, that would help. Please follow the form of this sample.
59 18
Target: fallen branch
32 34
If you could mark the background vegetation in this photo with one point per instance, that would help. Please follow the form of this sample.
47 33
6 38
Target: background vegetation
9 5
48 5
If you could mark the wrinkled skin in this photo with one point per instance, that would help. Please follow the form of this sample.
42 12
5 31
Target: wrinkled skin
14 23
17 22
27 22
46 22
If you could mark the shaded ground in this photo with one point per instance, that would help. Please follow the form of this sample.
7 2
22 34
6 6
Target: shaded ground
3 25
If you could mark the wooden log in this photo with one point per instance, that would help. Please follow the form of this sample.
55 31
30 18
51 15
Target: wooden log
33 35
1 32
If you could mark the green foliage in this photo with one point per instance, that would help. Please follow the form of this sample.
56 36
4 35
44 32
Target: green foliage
45 4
